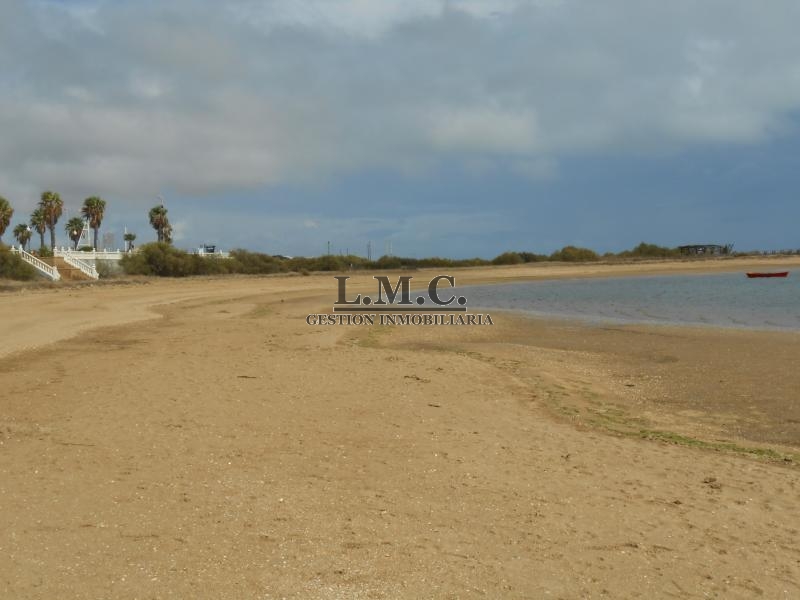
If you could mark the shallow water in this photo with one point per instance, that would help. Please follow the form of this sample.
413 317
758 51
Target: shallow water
726 299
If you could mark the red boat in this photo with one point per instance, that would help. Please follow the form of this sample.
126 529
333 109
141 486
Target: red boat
773 274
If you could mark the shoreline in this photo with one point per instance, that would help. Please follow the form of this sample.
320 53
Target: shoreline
639 268
610 322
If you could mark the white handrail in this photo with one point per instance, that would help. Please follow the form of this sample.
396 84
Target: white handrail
85 268
40 265
92 255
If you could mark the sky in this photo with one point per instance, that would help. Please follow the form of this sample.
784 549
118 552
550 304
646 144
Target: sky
453 128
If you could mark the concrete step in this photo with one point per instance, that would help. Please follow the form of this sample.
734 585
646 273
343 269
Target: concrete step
67 271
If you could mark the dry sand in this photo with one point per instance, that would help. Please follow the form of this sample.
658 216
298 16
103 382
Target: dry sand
196 439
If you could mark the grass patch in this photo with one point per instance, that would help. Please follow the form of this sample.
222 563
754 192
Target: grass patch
670 437
617 421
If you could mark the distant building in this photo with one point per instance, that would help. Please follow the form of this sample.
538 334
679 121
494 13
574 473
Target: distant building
211 251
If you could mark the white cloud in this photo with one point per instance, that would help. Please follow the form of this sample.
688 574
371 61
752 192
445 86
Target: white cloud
483 129
129 99
367 18
147 87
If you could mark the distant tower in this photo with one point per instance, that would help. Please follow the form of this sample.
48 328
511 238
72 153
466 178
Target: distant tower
86 235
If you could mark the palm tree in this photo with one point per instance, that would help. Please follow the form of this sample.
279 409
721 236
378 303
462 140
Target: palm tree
23 234
93 209
129 237
39 223
160 222
52 206
6 212
74 229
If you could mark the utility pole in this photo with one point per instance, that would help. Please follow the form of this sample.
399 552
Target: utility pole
369 251
329 248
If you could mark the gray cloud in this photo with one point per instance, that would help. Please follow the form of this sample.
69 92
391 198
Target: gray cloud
127 99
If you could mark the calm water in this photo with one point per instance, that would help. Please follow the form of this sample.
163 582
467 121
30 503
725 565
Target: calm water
728 300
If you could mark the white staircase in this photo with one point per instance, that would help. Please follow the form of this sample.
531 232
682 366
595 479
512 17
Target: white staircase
41 266
84 267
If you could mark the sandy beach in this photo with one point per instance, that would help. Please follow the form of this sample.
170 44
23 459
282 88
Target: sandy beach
197 439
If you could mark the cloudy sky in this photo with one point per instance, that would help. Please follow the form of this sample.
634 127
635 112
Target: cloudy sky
457 128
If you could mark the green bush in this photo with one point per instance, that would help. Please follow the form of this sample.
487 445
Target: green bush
529 257
393 262
330 263
164 260
104 269
508 258
574 254
254 263
644 250
400 262
13 267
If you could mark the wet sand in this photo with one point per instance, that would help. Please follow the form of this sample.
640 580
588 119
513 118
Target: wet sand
199 439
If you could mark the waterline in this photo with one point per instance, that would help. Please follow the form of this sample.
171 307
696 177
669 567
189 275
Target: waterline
720 300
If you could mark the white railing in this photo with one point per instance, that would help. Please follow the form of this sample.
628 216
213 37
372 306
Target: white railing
85 268
39 265
215 254
92 254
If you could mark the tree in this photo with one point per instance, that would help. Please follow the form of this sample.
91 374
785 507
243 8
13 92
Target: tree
129 237
6 212
23 234
160 222
93 209
39 223
74 229
52 206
